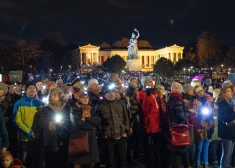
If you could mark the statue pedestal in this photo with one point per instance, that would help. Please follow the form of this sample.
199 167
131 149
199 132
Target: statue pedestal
133 64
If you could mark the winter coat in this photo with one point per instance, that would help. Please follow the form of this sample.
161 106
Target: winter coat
176 111
54 135
204 127
79 128
114 118
226 128
152 115
132 105
93 99
24 114
4 141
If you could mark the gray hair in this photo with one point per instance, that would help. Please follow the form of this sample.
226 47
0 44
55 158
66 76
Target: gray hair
57 90
176 88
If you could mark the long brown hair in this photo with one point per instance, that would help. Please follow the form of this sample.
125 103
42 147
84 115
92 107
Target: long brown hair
221 95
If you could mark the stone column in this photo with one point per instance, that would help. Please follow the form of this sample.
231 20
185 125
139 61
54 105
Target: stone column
97 58
80 57
145 60
150 61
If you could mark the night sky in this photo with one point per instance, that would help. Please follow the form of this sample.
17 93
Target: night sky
162 22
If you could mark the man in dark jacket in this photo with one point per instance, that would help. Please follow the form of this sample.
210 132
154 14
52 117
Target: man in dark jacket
115 125
3 131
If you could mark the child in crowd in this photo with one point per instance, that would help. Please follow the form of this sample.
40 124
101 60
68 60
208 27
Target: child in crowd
8 161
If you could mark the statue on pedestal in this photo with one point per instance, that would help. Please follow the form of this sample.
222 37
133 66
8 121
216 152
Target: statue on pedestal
133 47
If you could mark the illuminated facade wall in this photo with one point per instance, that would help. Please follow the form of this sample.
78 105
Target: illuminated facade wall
148 57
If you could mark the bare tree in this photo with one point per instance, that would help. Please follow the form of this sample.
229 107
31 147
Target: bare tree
26 51
208 49
124 42
105 45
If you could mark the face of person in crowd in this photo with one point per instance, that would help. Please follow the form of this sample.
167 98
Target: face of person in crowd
94 87
117 94
55 99
134 83
201 93
190 92
84 99
31 91
78 85
2 95
39 86
11 89
228 94
7 161
150 83
60 84
110 96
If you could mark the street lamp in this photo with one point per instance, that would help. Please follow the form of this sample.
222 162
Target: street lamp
51 70
222 67
191 67
184 72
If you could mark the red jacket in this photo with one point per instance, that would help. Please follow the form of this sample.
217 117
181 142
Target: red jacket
151 110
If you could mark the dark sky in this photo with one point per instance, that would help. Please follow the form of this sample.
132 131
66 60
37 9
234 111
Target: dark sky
162 22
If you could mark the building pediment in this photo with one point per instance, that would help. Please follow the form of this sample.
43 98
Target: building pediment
89 46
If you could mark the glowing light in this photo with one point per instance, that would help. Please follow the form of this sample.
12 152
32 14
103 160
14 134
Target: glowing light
112 86
58 118
45 100
205 111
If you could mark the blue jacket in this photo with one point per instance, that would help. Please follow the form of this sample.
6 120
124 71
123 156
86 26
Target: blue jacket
24 112
4 141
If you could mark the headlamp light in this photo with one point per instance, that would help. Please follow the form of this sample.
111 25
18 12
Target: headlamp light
44 87
205 111
83 82
111 86
58 118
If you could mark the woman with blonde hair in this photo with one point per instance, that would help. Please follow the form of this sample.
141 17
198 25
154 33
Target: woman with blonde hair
55 124
226 125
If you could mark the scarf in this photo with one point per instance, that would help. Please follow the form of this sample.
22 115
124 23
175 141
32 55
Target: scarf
179 97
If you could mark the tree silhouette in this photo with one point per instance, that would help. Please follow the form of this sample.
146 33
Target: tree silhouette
115 64
26 51
164 67
105 45
124 42
208 50
144 44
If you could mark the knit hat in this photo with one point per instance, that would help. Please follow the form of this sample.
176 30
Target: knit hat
29 84
187 87
145 79
51 84
75 81
197 89
92 81
4 87
108 87
226 84
38 81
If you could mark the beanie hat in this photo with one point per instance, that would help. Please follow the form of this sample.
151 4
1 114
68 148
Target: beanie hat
29 84
197 89
92 81
226 84
75 81
4 87
108 87
187 87
51 84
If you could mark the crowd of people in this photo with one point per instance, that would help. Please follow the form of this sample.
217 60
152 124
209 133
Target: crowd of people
48 124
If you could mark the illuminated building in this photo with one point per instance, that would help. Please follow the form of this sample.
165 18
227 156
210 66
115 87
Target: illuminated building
148 57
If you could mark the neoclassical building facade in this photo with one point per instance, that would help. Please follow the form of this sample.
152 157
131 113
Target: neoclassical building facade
93 54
